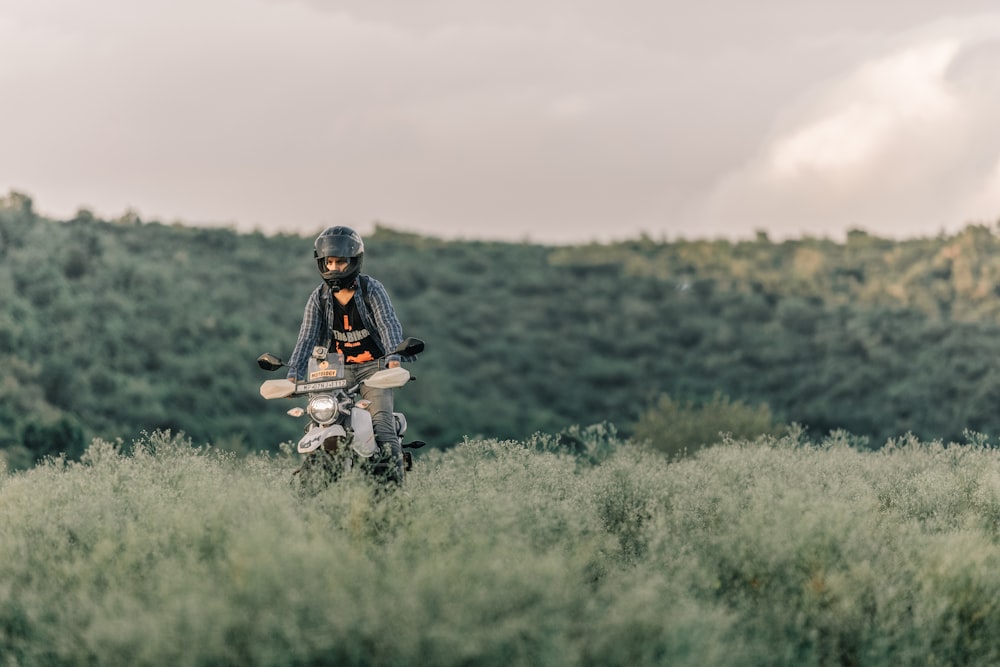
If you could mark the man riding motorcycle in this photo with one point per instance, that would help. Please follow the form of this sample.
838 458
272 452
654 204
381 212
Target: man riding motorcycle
351 313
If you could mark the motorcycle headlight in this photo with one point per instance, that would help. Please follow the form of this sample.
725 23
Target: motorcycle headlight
322 408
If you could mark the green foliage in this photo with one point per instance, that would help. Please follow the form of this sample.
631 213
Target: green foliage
776 552
62 437
592 444
683 428
128 325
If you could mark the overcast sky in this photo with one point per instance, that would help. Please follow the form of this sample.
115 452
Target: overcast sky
555 121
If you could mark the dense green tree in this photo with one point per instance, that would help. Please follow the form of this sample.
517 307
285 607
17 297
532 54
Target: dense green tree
61 437
130 325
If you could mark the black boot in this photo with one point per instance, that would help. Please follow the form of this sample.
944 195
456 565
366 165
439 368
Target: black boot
391 461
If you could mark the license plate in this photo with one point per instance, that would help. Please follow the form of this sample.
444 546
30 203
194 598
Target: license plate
310 387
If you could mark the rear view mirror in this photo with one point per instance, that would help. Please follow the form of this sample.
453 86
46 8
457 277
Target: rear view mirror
269 362
409 347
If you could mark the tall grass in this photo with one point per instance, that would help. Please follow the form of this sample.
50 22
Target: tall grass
771 552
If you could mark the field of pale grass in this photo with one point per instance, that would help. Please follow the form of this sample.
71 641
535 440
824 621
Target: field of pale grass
772 552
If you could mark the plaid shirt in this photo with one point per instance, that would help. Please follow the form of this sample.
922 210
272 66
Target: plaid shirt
318 323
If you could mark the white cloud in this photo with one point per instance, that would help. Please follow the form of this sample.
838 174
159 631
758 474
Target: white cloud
31 50
901 144
557 119
888 100
982 205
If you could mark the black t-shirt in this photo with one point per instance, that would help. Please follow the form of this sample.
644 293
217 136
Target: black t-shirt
350 336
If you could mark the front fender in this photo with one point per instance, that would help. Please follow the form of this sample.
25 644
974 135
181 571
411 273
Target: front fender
315 437
364 433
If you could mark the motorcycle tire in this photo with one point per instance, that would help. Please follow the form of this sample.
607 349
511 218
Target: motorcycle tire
319 470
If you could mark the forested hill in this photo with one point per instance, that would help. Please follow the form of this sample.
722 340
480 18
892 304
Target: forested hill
111 328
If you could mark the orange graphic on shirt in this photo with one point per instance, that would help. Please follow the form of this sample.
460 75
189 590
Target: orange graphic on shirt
357 358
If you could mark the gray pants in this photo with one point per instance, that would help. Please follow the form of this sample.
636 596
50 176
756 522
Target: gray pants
381 410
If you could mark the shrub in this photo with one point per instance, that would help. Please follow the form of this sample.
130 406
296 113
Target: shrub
678 428
774 552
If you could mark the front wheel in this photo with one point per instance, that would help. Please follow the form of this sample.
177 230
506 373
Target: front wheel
319 469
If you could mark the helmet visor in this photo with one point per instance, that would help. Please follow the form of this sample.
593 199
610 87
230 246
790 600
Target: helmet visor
338 246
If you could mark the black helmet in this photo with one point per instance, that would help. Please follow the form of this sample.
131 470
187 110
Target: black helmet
339 242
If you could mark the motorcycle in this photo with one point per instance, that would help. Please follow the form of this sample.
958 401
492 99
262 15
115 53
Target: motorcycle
339 435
